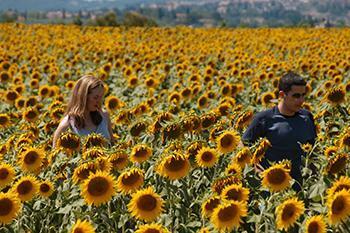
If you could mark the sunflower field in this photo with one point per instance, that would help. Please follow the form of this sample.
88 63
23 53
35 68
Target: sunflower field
179 100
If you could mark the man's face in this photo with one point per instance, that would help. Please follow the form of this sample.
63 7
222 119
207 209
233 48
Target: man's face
294 99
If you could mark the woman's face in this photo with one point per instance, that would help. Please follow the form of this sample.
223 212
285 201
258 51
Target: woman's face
94 99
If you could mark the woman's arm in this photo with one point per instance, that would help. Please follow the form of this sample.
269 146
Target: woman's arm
63 126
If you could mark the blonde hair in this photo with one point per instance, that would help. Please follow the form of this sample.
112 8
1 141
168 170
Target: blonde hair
77 103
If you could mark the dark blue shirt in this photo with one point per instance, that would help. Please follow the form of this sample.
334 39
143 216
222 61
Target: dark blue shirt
285 134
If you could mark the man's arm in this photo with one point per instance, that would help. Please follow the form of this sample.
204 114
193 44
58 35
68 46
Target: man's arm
255 130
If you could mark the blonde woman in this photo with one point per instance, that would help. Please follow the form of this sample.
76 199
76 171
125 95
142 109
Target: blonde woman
84 114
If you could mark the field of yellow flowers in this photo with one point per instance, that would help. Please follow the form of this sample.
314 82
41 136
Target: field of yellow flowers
179 99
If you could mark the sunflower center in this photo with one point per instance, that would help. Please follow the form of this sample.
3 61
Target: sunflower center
130 180
147 203
228 213
5 206
141 153
212 204
70 143
288 212
226 141
151 231
98 186
234 194
25 187
338 165
31 115
175 165
313 227
78 230
113 103
3 120
44 188
276 176
338 205
207 156
30 157
4 173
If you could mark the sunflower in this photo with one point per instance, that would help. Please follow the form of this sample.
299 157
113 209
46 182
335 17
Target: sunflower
7 174
69 142
227 141
4 120
259 152
243 120
316 224
130 181
288 213
233 169
93 153
345 139
207 157
338 207
337 164
46 188
119 160
235 192
26 188
5 77
31 159
243 157
209 205
83 171
228 214
174 166
10 207
140 153
98 188
307 147
44 91
222 182
330 151
145 204
151 228
208 120
342 183
83 227
267 97
276 178
336 95
137 128
31 101
11 96
30 115
112 103
202 102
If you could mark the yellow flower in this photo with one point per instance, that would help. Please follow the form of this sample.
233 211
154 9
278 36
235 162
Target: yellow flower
227 141
219 184
330 151
227 215
130 181
306 147
4 120
288 213
152 228
234 169
145 204
259 152
112 103
31 159
337 164
174 166
30 115
119 160
94 140
83 227
243 157
46 188
140 153
93 153
207 157
235 192
10 207
7 174
316 224
99 188
345 139
336 95
26 188
276 178
338 207
267 97
209 205
342 183
69 142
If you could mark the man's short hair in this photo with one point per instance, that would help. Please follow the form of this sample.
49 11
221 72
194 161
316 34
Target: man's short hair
288 80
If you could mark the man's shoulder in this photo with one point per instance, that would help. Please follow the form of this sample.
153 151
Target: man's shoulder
268 113
305 112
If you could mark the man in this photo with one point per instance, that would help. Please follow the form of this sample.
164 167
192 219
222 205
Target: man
286 126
